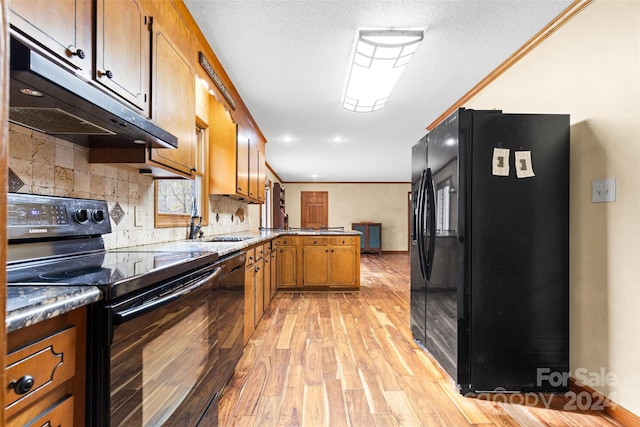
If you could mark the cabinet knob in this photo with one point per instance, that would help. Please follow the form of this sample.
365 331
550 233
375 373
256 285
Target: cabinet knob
78 52
23 385
108 73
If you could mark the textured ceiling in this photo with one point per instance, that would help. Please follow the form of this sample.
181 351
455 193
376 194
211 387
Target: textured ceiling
289 60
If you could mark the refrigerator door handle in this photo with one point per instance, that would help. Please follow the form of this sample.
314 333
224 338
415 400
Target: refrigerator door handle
420 225
432 223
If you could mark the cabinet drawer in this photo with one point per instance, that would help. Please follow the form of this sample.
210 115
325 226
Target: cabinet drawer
59 414
343 241
251 257
317 241
259 252
286 241
32 371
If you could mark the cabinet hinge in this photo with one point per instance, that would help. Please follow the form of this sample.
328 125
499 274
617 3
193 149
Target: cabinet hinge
149 22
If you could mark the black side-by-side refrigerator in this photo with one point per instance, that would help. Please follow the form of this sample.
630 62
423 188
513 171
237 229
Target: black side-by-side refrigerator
490 250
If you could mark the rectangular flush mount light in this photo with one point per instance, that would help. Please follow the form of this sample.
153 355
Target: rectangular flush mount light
378 62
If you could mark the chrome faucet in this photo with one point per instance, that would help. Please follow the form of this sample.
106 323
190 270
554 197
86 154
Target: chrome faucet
194 229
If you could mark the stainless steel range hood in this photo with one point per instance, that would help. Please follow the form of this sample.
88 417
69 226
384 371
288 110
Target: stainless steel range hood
46 97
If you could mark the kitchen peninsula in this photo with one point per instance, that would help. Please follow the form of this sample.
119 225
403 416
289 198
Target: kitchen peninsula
275 260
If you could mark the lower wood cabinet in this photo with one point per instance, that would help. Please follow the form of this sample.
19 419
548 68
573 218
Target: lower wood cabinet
287 262
257 286
318 262
330 262
45 372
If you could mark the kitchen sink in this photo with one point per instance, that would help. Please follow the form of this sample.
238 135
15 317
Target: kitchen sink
227 238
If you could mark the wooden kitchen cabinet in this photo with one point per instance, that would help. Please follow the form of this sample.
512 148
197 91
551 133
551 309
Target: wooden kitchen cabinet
330 262
50 356
174 102
234 157
253 290
64 27
256 171
268 266
315 267
273 281
242 163
371 241
224 177
287 262
123 47
173 108
345 262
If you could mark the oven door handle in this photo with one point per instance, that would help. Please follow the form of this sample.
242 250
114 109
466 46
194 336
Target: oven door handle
130 313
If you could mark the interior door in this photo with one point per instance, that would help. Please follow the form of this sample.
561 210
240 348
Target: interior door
315 209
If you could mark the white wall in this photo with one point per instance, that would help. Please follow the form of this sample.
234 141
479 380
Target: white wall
590 68
348 203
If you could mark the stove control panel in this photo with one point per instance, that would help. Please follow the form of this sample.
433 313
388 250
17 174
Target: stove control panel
31 216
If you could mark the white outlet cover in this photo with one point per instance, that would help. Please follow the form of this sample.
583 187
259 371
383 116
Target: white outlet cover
603 190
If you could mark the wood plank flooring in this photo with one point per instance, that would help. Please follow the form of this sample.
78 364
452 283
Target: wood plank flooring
348 359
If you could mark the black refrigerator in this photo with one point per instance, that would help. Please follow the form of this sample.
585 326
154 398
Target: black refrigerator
490 250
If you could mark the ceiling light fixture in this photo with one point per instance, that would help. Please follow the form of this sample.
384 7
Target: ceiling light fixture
337 139
378 62
287 138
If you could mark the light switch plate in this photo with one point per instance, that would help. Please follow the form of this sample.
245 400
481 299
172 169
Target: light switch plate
603 190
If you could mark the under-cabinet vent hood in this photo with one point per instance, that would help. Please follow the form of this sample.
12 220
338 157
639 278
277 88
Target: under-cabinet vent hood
48 98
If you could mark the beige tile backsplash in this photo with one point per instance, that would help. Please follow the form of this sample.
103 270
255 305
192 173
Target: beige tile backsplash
52 166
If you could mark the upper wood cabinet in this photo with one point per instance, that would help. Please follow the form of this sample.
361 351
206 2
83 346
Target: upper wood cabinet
123 47
235 163
256 170
61 26
223 150
173 102
242 163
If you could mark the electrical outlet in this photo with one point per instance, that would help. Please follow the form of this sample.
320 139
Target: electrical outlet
138 216
603 190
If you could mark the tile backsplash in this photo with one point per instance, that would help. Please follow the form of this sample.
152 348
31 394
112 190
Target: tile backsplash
52 166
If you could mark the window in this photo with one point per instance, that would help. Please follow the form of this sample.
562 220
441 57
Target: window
175 197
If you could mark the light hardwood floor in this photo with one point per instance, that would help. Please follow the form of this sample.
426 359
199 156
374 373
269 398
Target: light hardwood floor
348 359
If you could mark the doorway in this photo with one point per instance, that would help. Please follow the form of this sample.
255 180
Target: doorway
314 209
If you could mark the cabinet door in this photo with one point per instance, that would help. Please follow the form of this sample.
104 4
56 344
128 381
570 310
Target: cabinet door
258 286
254 174
62 26
262 170
123 47
315 266
249 303
268 266
173 106
223 149
242 164
274 258
375 237
343 266
286 263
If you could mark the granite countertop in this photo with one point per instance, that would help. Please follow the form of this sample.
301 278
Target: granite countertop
27 305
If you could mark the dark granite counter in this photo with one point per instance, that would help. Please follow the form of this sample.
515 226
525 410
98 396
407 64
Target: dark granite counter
27 305
234 242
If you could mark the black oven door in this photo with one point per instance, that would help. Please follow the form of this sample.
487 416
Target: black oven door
160 366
